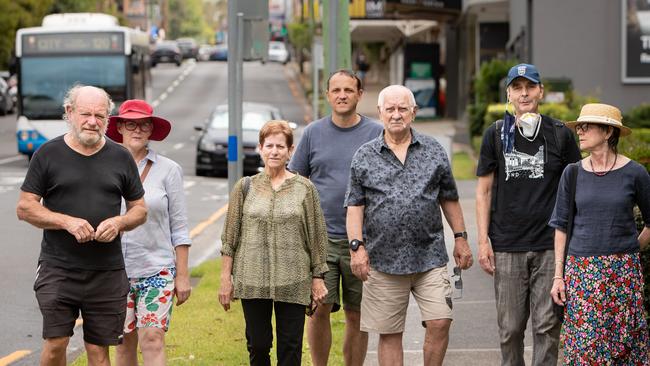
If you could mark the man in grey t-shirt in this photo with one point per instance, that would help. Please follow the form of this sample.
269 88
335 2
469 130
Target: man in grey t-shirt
324 155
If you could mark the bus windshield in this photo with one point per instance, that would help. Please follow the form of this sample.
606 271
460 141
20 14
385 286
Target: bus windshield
45 80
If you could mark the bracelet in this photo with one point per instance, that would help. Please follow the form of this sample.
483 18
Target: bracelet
558 278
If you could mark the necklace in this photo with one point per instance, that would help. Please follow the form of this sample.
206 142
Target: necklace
603 173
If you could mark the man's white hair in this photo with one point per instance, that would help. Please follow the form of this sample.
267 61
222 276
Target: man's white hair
70 100
396 88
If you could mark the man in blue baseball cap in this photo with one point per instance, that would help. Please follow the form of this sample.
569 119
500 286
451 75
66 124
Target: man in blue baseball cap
522 158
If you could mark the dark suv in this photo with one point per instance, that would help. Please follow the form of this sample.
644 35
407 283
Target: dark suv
166 51
189 48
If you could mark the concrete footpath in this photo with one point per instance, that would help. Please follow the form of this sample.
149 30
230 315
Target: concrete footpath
474 338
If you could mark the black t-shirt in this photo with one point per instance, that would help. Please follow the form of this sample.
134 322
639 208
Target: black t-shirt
87 187
526 185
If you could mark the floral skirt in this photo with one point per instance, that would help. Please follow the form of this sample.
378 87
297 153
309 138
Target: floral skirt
605 323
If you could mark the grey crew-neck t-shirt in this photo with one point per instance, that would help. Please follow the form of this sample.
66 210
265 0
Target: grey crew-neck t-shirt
324 155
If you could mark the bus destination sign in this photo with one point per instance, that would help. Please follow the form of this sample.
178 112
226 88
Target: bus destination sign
63 43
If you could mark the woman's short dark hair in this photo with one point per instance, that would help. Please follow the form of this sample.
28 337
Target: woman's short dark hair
277 126
612 141
345 72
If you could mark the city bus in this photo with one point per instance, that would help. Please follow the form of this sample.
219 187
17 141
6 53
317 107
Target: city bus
69 49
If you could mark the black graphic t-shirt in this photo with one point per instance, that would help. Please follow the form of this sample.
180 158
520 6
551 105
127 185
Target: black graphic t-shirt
527 180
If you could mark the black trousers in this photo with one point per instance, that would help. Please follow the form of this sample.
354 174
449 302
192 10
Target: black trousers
289 322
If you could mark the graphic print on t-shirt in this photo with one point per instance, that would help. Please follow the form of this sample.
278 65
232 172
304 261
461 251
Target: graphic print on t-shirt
522 165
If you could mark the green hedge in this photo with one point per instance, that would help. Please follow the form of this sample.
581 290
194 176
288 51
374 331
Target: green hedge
638 117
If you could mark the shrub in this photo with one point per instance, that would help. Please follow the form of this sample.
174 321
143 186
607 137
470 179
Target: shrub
486 87
638 117
637 146
476 113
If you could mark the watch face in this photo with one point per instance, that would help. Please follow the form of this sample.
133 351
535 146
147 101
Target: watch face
354 245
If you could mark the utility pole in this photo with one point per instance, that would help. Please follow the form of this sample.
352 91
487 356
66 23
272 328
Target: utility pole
337 47
235 93
336 35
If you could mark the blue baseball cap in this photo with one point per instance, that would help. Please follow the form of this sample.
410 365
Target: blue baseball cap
527 71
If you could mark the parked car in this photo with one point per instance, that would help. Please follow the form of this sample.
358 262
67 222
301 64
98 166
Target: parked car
189 47
166 51
204 52
6 100
220 53
212 145
278 52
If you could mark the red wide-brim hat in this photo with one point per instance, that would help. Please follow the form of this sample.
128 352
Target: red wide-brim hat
138 109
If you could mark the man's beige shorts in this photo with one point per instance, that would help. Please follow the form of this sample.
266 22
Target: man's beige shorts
386 298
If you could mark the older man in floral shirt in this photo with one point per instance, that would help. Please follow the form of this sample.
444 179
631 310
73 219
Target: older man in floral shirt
398 183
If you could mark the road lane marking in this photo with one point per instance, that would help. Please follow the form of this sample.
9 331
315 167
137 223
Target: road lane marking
179 145
198 229
174 84
13 357
11 159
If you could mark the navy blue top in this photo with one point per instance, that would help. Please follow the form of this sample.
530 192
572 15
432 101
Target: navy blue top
402 219
604 220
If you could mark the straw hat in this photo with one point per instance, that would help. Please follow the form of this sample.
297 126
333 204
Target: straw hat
602 114
137 109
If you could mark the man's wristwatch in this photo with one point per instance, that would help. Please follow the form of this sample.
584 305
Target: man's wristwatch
462 234
354 244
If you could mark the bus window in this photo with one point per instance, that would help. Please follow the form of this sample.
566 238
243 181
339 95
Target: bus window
46 79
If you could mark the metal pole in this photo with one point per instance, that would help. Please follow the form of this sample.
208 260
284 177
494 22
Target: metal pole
240 93
233 122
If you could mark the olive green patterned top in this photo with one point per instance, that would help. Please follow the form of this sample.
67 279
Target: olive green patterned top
277 239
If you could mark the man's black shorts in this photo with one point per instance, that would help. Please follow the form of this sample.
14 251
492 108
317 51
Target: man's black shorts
99 295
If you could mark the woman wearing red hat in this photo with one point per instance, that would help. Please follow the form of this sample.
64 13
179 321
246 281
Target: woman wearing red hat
598 277
155 254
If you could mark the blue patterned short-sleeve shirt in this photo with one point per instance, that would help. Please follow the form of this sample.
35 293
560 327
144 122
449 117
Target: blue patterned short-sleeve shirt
402 217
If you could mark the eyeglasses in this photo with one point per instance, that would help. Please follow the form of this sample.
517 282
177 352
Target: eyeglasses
144 126
458 283
311 309
582 127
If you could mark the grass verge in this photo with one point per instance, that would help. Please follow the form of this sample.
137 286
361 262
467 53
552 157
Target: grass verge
463 166
202 333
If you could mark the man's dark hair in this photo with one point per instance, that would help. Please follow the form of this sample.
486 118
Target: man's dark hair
346 72
612 141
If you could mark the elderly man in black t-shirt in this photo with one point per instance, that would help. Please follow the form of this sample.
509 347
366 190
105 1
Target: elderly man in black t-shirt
81 178
522 159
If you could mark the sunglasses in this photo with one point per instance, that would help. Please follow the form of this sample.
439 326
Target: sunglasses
458 283
311 309
582 127
144 126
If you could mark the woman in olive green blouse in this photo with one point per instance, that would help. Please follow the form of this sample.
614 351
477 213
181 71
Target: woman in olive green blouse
273 250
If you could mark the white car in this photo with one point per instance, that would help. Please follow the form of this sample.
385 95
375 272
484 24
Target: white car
278 52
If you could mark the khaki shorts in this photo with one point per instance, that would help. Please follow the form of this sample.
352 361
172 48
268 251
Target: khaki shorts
386 298
339 279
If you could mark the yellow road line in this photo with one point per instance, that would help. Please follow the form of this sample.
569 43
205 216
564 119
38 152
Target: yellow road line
198 229
14 357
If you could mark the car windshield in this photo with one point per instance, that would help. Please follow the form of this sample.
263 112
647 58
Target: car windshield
253 120
276 46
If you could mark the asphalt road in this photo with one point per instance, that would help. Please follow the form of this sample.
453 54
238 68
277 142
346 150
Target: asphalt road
186 96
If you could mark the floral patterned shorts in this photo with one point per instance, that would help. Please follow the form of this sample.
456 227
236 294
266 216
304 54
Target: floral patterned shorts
150 301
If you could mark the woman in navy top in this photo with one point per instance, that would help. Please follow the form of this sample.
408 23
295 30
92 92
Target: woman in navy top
601 283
